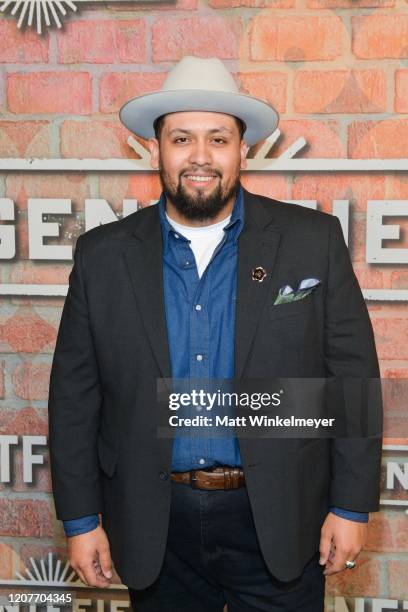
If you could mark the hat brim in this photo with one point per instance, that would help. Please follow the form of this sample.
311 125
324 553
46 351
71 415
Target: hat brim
139 113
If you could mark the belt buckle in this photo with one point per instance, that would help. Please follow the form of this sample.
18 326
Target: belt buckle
193 479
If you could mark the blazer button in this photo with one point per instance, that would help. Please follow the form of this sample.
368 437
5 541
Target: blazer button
163 475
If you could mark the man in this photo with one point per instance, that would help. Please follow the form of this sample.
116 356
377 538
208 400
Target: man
187 289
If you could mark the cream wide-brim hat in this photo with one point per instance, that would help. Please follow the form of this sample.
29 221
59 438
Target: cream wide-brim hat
200 84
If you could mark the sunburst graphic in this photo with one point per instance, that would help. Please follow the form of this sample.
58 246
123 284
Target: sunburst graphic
45 573
38 10
50 575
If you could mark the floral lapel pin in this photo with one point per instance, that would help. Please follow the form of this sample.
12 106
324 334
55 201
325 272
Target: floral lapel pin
258 274
287 294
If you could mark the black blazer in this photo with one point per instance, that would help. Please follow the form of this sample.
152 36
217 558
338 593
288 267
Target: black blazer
105 452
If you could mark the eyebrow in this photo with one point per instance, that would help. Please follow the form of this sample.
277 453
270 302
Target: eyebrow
212 131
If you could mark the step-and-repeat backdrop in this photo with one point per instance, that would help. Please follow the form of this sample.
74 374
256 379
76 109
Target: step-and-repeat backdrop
337 72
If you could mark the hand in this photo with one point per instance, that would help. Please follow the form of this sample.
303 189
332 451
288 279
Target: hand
89 556
341 540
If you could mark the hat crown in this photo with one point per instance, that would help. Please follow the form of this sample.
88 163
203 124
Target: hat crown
208 74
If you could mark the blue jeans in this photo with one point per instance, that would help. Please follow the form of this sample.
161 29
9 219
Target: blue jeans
213 558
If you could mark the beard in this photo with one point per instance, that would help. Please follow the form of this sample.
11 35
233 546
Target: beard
199 206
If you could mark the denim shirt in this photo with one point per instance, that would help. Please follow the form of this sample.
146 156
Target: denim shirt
200 315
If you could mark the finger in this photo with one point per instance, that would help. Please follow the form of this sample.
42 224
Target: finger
100 579
324 548
331 559
92 577
100 576
81 576
105 562
338 563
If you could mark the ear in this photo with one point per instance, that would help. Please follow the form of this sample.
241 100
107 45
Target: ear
154 149
244 151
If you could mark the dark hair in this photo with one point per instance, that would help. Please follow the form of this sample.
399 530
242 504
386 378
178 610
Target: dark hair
158 126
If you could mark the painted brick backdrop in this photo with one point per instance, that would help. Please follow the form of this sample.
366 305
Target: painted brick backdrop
336 70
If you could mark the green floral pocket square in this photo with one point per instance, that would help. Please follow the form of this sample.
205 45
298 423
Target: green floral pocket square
287 294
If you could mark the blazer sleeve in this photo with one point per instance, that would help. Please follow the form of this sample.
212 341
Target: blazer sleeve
74 405
350 353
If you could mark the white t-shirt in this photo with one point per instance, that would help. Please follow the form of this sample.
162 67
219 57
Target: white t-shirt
204 240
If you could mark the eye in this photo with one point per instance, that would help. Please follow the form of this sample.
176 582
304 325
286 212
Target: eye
220 139
180 138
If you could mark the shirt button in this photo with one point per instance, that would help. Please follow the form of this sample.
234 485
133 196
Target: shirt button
199 357
202 461
176 236
198 307
163 475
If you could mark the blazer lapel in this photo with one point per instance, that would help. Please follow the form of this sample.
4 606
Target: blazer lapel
144 261
258 245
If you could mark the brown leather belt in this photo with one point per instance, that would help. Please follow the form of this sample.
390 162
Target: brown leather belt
223 477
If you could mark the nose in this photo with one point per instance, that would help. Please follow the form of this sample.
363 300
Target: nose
200 153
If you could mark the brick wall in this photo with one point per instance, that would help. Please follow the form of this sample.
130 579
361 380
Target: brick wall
336 70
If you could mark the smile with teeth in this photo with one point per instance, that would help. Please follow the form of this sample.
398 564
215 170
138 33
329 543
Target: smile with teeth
199 178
